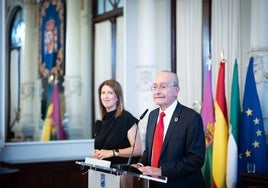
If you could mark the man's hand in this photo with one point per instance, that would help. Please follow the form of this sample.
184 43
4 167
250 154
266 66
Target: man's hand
151 171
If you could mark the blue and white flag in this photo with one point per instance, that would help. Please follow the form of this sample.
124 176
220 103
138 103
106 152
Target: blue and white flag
252 140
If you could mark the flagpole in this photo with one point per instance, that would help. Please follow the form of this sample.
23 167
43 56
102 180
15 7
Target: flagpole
209 62
222 57
51 78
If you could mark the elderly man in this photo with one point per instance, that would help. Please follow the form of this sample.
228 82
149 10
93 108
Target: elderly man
175 143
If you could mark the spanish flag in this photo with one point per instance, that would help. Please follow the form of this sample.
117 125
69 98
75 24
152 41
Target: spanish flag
219 157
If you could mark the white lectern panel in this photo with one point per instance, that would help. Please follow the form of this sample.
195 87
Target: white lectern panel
97 179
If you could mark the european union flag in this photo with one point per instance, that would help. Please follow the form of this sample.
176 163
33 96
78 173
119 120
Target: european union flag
252 142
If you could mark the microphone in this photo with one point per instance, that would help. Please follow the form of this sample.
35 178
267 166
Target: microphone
128 167
141 117
144 113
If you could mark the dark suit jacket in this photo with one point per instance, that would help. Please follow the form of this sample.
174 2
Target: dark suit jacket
183 150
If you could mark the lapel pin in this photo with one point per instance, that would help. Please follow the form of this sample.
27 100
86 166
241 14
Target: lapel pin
176 119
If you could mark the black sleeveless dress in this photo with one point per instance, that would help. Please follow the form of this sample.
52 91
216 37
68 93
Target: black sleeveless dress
111 133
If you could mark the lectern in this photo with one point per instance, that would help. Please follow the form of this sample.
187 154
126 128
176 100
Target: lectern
110 177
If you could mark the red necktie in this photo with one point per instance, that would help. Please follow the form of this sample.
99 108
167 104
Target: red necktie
158 140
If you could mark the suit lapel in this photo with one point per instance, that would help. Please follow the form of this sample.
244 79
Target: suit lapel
152 129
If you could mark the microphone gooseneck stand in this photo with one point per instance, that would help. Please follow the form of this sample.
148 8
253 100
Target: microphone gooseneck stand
128 167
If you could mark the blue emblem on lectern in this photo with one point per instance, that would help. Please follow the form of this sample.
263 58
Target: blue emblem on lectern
102 180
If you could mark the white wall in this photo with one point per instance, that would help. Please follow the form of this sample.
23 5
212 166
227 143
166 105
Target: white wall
139 68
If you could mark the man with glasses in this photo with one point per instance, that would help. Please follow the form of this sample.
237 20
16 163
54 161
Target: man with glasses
175 143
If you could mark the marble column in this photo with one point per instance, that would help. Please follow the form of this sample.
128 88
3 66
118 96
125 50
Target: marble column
72 80
259 49
86 93
146 61
24 128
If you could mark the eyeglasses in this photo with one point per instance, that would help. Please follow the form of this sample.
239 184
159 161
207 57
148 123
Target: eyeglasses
161 87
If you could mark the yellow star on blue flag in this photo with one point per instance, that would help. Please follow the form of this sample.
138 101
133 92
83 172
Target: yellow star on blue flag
252 141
